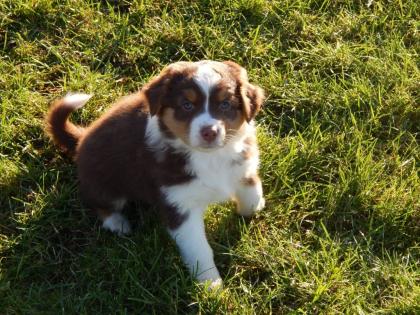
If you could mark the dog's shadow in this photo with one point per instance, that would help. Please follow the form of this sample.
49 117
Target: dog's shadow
224 230
224 227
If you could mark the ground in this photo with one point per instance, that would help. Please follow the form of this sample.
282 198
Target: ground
339 139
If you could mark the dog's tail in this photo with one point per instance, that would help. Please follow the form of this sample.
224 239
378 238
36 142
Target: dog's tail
64 133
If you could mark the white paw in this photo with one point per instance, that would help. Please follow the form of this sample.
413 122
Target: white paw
117 223
260 205
210 279
212 284
250 209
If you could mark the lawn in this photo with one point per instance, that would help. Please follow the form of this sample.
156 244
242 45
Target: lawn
339 140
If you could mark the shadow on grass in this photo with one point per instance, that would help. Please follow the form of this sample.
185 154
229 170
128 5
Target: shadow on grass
56 251
55 248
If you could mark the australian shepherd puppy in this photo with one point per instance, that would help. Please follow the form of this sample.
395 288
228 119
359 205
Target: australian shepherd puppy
185 140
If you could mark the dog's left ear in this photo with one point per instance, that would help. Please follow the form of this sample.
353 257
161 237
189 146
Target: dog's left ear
255 97
252 95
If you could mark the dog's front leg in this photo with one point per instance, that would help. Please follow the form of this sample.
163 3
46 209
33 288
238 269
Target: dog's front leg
249 196
196 253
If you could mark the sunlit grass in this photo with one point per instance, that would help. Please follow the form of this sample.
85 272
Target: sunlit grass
339 157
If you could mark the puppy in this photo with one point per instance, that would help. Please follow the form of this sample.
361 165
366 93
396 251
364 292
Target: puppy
185 140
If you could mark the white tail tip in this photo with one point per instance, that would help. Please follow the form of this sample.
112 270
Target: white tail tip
76 100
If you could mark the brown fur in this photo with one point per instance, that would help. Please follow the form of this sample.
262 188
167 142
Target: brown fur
178 128
251 148
252 96
234 118
63 132
251 181
112 160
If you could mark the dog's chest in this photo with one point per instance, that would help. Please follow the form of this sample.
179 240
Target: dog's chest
216 173
216 178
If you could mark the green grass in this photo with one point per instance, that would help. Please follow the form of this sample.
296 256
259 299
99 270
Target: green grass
339 138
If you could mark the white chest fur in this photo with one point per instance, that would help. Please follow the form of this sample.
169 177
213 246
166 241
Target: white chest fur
217 177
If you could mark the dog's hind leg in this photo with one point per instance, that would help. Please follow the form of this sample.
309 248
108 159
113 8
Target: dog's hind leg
114 221
110 214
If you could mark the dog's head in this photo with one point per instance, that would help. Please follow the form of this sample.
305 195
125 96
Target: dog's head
205 104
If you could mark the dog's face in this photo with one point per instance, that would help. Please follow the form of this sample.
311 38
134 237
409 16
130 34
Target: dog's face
205 104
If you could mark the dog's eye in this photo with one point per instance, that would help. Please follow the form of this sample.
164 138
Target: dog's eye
188 106
225 105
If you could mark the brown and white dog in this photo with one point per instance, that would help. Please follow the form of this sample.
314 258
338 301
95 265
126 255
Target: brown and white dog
186 140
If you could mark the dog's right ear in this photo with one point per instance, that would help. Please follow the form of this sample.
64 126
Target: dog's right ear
154 92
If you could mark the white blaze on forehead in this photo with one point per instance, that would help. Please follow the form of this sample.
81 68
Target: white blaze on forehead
206 78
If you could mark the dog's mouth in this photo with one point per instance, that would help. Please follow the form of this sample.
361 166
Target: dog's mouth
208 147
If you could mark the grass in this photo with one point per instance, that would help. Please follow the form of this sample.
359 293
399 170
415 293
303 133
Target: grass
339 138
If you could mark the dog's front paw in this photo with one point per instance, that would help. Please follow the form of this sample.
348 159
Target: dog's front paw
212 284
261 205
211 279
249 196
249 208
215 285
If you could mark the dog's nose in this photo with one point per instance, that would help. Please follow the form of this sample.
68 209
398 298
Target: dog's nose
209 133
